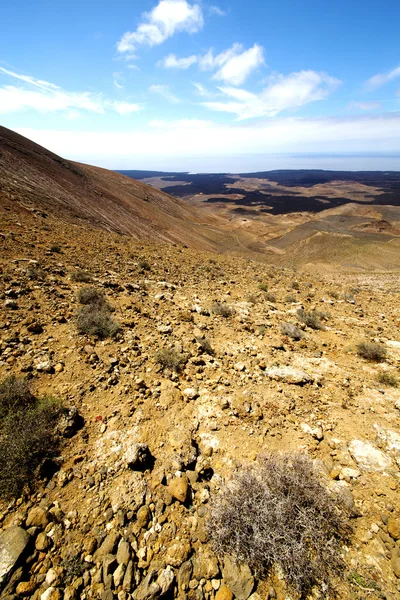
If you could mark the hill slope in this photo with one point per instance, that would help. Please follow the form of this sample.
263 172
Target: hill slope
37 179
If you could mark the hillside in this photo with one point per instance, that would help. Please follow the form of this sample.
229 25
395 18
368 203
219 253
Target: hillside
122 510
35 179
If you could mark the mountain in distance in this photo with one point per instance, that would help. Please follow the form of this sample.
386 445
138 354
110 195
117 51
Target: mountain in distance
288 217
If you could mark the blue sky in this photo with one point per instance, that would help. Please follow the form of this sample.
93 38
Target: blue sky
192 85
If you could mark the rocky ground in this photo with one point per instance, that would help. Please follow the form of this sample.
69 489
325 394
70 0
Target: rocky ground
124 516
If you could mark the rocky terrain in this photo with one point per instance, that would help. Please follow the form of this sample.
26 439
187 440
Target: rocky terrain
125 513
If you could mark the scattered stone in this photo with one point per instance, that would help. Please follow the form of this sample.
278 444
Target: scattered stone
224 593
38 517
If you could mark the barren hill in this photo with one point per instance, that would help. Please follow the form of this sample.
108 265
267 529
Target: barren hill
39 180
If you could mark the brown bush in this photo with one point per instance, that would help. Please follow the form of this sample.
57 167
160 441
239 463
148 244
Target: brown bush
291 331
81 276
312 319
279 513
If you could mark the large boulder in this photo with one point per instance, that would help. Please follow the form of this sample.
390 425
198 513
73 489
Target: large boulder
13 542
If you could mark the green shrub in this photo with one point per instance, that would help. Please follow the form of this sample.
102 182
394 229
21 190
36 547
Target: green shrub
371 351
27 435
144 265
278 513
263 287
55 248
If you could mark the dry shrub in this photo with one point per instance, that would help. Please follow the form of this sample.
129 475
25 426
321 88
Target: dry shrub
263 287
205 346
81 276
27 435
89 295
96 320
386 378
291 331
278 513
371 351
312 319
168 357
221 309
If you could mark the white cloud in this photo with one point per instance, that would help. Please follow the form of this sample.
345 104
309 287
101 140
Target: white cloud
237 68
116 81
125 108
282 93
165 92
382 78
366 105
166 19
172 62
234 64
204 139
49 98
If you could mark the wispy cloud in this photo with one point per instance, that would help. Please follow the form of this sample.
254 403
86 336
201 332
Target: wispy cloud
216 10
47 97
173 62
166 19
165 92
365 105
232 66
382 78
282 93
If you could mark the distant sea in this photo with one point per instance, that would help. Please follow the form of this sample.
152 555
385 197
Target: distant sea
251 163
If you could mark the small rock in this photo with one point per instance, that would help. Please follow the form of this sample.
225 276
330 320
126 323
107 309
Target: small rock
123 553
238 578
25 588
37 517
224 593
42 542
178 487
35 327
394 528
165 580
289 375
190 393
11 304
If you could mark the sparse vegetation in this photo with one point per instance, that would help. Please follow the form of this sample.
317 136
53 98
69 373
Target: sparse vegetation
170 358
386 378
90 295
55 249
295 285
291 331
221 309
279 513
311 319
263 287
27 435
290 299
81 276
371 351
96 320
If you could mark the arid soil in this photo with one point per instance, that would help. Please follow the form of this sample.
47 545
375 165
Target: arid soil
102 528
